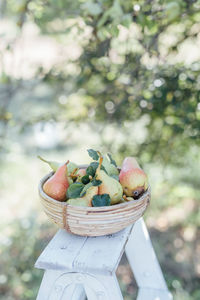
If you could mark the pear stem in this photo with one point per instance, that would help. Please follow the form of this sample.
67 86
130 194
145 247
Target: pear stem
67 163
125 198
100 155
44 160
100 161
73 175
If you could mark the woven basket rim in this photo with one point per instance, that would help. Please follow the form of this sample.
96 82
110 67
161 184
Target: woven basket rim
87 208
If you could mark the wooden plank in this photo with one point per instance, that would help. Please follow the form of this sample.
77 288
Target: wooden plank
47 283
111 288
74 292
61 251
101 255
73 253
142 258
153 294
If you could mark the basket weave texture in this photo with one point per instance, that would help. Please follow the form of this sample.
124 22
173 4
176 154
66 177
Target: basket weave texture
93 221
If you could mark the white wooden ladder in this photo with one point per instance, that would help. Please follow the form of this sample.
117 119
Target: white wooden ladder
76 267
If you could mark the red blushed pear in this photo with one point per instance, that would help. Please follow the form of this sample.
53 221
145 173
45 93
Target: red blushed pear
132 178
81 172
57 185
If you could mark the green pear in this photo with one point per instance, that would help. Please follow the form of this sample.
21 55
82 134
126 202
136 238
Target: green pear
109 185
110 168
53 164
71 167
86 200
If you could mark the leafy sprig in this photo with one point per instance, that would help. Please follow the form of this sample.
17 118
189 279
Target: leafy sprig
101 200
94 154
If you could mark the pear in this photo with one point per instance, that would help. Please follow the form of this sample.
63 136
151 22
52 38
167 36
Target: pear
110 168
81 172
57 185
71 167
87 199
132 178
53 164
127 198
109 185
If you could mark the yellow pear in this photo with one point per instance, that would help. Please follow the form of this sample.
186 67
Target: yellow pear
109 185
85 200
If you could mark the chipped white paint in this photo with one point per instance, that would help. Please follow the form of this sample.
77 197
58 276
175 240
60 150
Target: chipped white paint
77 265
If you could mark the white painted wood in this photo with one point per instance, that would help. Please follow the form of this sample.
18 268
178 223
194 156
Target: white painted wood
153 294
72 253
77 265
74 292
55 288
101 255
61 251
48 281
103 287
142 258
72 286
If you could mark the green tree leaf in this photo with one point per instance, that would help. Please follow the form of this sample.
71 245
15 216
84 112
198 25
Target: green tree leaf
93 9
173 10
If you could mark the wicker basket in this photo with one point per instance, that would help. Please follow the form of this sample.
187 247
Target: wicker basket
93 221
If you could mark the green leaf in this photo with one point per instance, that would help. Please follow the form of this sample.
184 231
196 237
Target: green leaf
85 179
96 182
86 187
74 190
90 171
92 153
101 200
95 165
93 9
173 10
113 162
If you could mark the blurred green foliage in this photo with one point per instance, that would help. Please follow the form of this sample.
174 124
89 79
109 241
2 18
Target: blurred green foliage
122 73
119 70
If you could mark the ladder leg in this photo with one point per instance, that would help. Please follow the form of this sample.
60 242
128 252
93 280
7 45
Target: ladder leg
107 290
74 292
48 281
58 286
152 294
143 260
